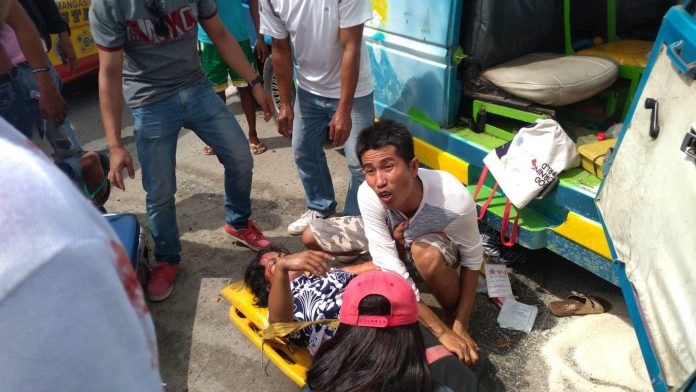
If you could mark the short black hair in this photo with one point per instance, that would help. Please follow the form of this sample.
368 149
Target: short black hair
384 133
255 276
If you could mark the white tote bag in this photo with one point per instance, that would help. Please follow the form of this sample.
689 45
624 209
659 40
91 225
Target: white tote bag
532 161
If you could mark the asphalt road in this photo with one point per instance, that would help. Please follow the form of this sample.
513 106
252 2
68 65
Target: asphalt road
201 351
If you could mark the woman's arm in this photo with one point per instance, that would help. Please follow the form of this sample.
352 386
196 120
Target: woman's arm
280 297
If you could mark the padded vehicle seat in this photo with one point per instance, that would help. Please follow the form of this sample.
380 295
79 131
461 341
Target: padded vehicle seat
632 53
554 79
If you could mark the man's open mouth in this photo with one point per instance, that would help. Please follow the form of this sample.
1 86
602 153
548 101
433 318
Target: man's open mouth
385 196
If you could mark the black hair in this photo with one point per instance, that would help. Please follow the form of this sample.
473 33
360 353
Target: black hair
255 276
386 133
372 359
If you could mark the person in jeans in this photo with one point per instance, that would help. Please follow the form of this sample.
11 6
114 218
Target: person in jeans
86 169
150 46
232 15
334 91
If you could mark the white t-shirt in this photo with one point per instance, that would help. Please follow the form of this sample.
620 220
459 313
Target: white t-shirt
313 26
446 208
72 313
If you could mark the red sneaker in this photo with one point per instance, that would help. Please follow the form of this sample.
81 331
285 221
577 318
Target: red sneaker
252 236
161 281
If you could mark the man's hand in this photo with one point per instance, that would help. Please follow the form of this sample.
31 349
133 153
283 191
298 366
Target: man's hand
285 119
398 234
120 159
463 347
264 100
340 126
52 105
261 49
67 52
311 261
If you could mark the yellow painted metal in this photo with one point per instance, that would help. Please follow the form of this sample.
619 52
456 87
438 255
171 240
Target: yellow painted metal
585 232
435 158
291 359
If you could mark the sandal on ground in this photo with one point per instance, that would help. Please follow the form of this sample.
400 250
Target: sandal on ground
101 193
207 150
577 304
258 148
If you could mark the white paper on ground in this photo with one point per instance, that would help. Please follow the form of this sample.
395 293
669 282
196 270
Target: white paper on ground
517 316
497 281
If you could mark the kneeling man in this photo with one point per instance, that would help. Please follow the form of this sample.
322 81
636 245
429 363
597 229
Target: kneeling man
412 215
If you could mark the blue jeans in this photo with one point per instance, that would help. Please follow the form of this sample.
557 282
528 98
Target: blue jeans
157 127
19 106
313 114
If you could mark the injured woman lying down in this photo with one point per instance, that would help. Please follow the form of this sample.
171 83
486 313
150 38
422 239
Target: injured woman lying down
301 287
278 281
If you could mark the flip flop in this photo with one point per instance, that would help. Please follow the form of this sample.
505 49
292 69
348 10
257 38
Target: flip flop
577 304
257 149
101 194
207 150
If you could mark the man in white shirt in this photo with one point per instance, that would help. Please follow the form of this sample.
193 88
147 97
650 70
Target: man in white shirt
72 313
425 217
334 91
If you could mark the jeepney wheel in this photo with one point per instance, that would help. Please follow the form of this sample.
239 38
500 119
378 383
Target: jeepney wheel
271 85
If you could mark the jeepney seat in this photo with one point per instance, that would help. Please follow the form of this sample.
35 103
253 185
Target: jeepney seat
627 52
552 79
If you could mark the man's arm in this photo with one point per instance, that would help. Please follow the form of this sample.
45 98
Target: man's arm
261 48
51 16
282 66
341 123
111 107
51 103
233 55
462 346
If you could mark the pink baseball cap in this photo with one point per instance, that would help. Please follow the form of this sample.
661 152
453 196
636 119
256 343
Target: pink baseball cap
404 305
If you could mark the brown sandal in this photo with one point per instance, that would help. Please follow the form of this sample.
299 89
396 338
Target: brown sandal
577 304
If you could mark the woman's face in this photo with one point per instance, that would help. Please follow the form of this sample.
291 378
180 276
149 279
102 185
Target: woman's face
268 261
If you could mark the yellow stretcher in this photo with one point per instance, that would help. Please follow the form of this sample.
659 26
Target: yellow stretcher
291 359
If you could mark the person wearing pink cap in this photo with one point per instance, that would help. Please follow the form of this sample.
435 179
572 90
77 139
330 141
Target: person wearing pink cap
378 345
417 219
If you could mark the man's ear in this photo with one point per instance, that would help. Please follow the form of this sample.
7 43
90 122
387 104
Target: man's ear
413 166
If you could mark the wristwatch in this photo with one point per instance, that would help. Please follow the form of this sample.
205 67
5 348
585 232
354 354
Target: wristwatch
258 80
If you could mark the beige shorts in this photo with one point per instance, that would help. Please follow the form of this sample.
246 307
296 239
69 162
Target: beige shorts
346 235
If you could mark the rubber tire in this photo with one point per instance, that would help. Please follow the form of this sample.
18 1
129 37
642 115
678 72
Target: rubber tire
271 86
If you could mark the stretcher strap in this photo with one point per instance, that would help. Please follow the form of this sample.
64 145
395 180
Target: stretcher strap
283 329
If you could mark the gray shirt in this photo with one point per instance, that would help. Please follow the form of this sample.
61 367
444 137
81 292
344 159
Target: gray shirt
154 67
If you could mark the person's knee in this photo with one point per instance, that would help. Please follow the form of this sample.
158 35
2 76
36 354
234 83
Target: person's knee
238 160
426 258
308 239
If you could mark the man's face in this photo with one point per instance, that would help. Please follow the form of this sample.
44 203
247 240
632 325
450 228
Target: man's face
389 176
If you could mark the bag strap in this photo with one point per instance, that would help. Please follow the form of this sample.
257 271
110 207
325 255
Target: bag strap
504 226
482 179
